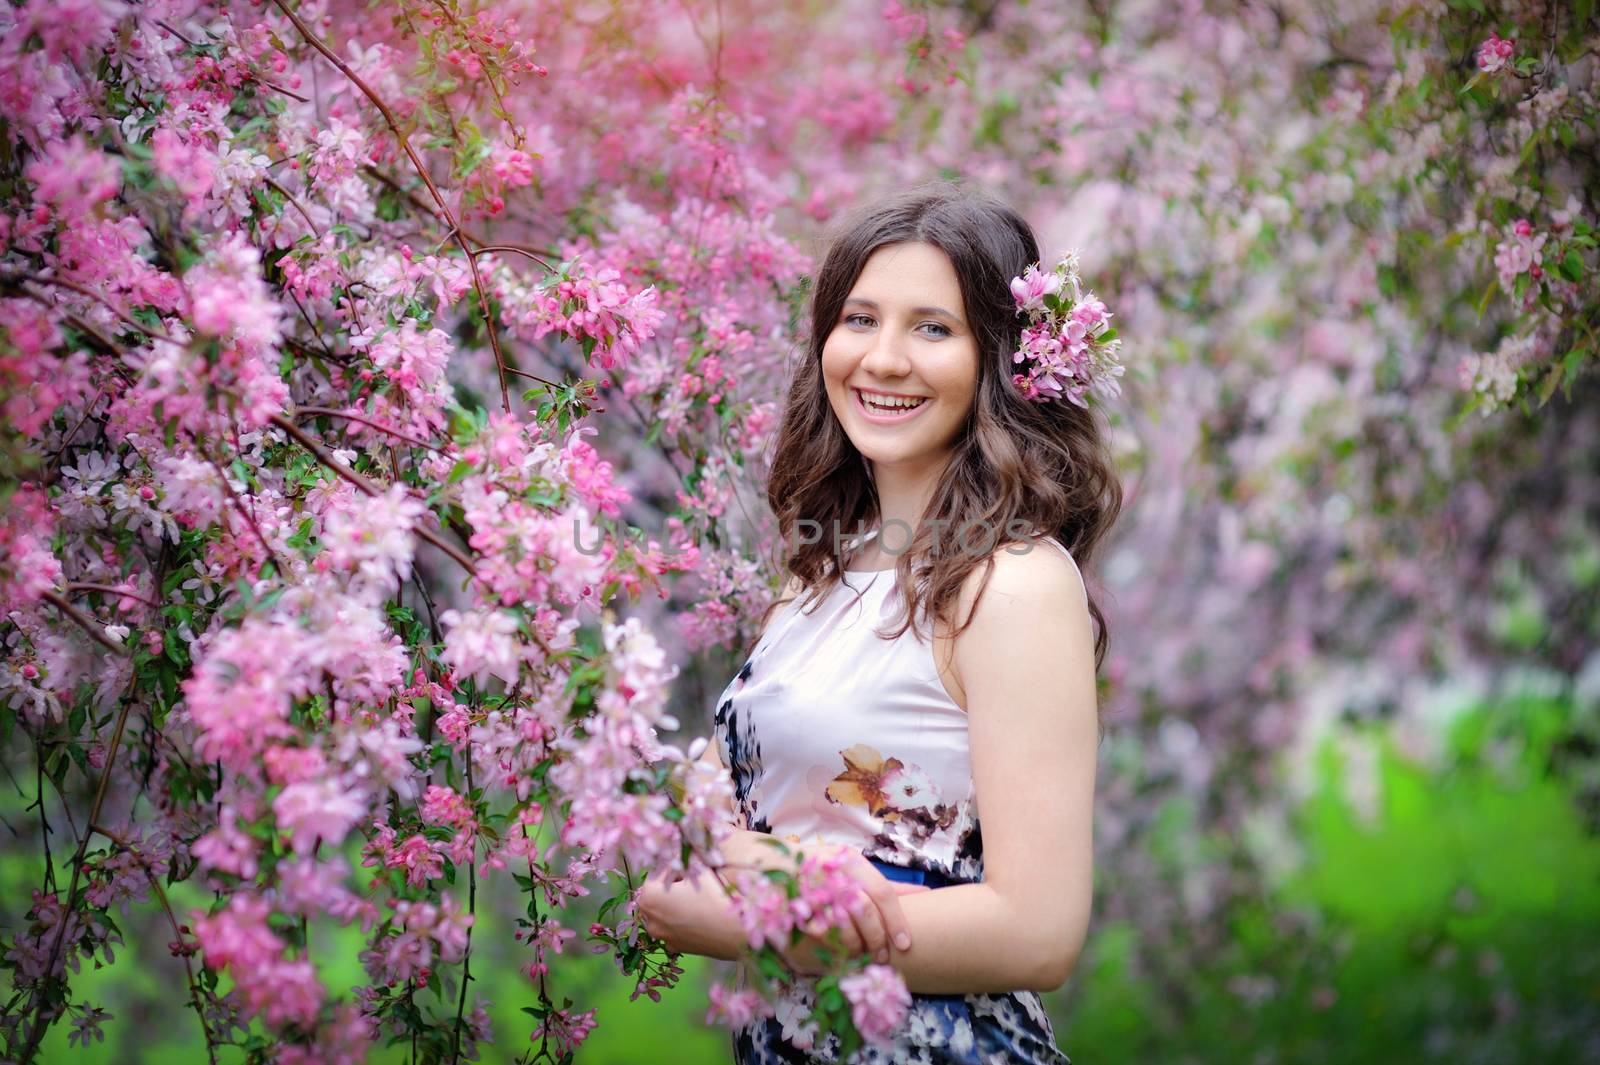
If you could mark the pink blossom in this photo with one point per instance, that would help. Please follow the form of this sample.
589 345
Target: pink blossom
36 379
226 848
592 477
479 643
1494 54
879 1001
1033 286
424 934
445 806
310 887
417 855
595 308
188 166
238 935
73 177
736 1009
320 810
828 894
565 1029
763 910
229 298
374 538
28 568
239 694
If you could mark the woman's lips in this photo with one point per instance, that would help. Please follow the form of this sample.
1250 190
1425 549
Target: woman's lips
887 417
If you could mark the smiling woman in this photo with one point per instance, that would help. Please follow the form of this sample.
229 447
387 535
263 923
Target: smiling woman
882 746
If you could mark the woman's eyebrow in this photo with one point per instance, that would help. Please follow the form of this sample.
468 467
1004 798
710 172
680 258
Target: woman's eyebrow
915 310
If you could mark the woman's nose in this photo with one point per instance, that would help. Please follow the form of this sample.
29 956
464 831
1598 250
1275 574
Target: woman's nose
886 357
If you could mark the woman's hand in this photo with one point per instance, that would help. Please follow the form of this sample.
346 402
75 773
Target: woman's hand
695 917
876 917
803 957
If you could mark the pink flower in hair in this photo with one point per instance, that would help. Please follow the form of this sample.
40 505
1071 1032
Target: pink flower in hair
1032 287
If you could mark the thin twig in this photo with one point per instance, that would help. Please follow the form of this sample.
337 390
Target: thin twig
515 250
177 931
84 621
86 586
36 1032
538 255
249 518
534 377
330 412
297 204
472 910
73 286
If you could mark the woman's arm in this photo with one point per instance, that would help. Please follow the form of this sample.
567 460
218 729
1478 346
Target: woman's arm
1026 664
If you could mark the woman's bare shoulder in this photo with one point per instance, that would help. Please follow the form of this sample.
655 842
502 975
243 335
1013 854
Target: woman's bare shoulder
1034 571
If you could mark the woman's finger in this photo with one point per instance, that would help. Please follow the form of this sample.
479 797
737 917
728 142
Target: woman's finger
869 922
893 918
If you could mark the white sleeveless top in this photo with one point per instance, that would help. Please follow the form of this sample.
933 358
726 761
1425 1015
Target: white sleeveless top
833 733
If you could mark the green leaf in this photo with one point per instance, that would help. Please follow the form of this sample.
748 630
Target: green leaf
1571 266
1547 387
1569 369
1488 294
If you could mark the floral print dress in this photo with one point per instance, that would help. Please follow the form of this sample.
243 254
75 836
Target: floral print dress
833 733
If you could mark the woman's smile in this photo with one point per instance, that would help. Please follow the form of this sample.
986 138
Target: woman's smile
883 408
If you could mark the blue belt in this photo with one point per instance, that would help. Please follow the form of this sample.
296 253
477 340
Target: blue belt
931 877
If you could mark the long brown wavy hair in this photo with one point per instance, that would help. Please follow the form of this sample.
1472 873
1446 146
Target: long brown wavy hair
1016 465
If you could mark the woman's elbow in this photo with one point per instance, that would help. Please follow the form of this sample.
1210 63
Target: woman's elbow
1054 959
1053 970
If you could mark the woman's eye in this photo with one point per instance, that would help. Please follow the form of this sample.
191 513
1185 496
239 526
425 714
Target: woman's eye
942 330
857 318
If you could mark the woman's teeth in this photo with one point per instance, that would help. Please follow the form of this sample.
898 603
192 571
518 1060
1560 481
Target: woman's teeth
885 405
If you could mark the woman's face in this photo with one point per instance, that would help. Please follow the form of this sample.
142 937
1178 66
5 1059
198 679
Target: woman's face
902 333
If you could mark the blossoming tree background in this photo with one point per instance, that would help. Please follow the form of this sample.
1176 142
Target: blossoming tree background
387 392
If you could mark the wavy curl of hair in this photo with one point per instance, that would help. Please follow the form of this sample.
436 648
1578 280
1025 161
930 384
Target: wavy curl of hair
1044 465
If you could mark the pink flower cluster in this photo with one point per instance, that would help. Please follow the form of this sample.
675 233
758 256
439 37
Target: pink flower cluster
1067 341
372 536
826 897
1494 54
879 1001
28 568
736 1008
596 308
420 936
34 380
421 858
240 693
1521 252
239 939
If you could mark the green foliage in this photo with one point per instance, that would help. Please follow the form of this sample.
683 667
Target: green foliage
1457 924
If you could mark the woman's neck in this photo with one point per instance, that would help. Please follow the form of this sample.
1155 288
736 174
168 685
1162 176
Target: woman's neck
903 497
